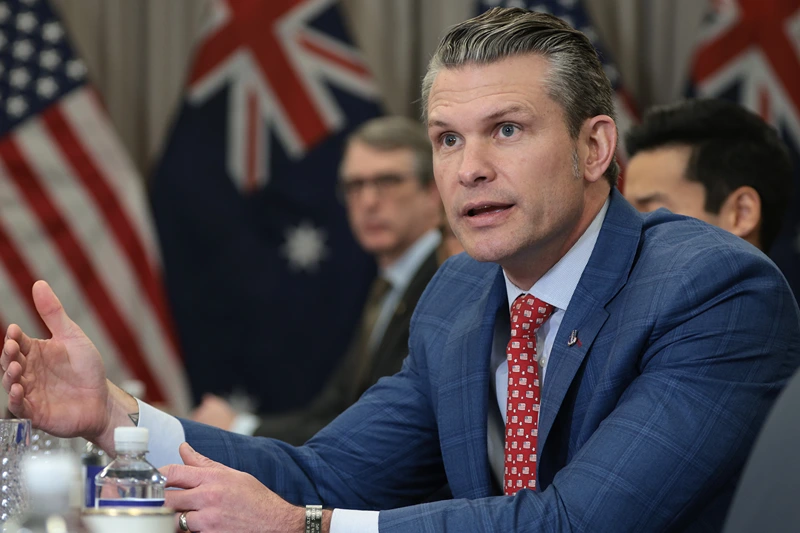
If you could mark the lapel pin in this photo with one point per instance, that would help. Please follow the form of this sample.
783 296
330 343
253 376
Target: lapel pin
573 338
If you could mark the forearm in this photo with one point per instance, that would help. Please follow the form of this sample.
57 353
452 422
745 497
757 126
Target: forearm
122 410
327 514
295 521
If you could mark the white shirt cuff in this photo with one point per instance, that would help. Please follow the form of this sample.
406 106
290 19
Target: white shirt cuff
349 521
245 424
166 435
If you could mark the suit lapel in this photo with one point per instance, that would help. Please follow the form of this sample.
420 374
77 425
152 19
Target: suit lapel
464 391
395 337
605 274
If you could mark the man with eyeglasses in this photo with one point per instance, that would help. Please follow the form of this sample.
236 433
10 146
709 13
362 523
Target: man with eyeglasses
386 184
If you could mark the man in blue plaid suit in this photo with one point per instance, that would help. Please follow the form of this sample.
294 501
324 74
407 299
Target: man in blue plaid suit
669 341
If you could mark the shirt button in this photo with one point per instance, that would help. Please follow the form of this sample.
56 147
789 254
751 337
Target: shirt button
543 361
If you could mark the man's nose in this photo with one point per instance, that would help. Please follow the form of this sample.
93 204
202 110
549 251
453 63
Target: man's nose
476 166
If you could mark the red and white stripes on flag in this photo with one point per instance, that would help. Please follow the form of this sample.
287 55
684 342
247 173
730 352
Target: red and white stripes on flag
73 212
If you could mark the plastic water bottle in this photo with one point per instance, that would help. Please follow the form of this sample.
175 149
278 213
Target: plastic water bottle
129 480
50 481
93 460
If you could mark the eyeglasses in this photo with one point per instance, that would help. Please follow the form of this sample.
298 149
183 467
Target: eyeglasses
348 189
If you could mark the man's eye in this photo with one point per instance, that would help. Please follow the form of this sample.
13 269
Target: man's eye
449 140
388 180
507 130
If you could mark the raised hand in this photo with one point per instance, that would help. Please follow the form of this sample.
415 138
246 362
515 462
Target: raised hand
214 411
59 383
218 499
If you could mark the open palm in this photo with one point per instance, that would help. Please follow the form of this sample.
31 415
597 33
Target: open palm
58 383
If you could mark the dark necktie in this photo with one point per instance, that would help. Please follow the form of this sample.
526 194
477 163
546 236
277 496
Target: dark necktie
362 358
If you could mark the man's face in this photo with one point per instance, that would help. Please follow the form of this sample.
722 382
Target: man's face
387 207
504 161
657 178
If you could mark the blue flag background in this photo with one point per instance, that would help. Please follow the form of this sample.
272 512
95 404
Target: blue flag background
263 275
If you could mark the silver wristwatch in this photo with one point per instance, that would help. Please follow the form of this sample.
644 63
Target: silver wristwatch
313 518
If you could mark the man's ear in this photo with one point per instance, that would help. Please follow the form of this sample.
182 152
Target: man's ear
600 143
741 214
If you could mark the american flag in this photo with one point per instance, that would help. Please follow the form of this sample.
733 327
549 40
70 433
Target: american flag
574 13
72 209
244 199
750 53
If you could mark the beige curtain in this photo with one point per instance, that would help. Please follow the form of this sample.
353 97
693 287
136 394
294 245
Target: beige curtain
138 51
652 42
397 38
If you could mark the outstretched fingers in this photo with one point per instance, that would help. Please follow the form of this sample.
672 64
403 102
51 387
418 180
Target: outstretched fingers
52 312
15 333
13 364
12 375
17 403
15 347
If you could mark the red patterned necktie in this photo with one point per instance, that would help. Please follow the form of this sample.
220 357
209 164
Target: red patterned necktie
522 412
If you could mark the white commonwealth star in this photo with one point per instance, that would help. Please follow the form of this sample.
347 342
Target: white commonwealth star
305 247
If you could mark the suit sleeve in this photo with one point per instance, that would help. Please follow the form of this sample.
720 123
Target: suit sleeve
382 452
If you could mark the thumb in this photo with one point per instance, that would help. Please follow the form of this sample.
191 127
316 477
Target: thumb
192 458
51 310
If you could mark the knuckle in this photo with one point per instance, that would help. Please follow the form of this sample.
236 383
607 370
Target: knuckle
213 519
208 498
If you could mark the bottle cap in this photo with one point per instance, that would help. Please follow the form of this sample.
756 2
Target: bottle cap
131 439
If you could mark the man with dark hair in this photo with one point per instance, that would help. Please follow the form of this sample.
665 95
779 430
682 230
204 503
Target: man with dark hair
583 367
712 160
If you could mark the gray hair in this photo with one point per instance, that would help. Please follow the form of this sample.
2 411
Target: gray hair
576 79
394 133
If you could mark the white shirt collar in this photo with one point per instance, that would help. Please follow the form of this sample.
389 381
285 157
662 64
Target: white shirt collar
559 283
400 272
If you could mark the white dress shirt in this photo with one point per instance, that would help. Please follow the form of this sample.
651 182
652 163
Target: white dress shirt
555 287
399 274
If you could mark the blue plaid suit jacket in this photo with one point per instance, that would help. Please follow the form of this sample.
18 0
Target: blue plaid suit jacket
686 334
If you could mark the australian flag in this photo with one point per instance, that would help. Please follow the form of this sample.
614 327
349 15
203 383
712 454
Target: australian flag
263 275
749 53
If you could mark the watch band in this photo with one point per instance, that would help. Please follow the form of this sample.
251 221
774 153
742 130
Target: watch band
313 518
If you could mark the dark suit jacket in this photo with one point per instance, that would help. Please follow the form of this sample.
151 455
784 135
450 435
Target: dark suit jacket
687 334
354 376
768 497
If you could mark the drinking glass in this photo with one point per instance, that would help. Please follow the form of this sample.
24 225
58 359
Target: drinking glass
15 439
42 443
